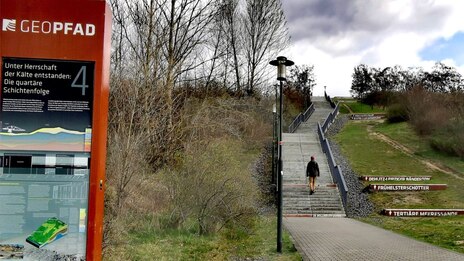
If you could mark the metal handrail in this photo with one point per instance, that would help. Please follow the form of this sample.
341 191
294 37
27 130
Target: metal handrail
330 118
295 123
309 111
336 172
302 117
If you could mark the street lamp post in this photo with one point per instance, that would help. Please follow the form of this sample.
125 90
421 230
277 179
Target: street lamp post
281 62
274 142
278 138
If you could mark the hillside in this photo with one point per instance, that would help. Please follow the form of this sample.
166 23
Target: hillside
380 149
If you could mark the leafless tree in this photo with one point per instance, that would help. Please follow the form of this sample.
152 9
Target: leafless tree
265 34
159 47
231 25
186 22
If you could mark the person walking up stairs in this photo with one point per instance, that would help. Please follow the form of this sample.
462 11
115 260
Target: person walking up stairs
312 171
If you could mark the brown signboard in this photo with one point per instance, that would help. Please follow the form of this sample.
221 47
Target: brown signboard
406 187
54 87
422 212
371 116
395 178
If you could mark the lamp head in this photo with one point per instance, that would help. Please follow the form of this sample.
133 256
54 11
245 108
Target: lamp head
281 64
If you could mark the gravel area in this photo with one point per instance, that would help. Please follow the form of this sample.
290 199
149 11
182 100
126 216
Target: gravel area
47 255
358 201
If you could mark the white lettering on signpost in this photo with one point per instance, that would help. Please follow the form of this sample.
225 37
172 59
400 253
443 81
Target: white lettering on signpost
25 26
89 29
423 212
47 27
78 30
35 27
57 27
67 27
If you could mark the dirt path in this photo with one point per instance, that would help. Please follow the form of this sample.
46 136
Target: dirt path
408 151
347 107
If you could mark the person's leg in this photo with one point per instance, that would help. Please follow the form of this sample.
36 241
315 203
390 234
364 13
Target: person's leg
314 183
311 183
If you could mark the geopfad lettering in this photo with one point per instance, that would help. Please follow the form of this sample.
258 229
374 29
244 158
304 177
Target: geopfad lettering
48 27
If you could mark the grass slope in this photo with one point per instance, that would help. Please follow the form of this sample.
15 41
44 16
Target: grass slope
403 133
359 107
152 244
371 156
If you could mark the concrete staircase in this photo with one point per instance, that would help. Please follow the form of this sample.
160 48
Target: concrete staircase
297 149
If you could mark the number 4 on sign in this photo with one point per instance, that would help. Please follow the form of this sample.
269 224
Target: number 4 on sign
81 75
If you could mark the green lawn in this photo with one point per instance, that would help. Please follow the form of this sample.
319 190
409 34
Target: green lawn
154 244
404 134
358 107
370 156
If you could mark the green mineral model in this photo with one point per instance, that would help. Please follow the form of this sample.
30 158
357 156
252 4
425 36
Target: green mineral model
49 231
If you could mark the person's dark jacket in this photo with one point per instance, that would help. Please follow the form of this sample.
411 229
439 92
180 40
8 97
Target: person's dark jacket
312 170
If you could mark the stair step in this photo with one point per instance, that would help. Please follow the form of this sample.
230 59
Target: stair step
307 196
315 212
319 210
312 203
297 201
316 215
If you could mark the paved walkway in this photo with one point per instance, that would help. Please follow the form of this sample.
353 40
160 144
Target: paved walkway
336 238
347 239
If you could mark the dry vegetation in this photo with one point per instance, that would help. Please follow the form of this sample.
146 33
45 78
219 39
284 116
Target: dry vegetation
188 88
432 101
439 117
204 185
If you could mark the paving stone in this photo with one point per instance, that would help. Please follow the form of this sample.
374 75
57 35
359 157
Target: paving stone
347 239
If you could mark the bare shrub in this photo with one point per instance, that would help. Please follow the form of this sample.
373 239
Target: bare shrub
439 116
210 183
210 187
294 97
263 176
427 111
450 139
130 154
136 150
126 170
397 113
209 119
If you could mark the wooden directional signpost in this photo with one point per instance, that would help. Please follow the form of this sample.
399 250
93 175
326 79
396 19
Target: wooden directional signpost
422 212
364 116
410 188
395 178
406 187
54 75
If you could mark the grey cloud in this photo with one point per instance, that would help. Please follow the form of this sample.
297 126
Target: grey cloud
364 21
317 17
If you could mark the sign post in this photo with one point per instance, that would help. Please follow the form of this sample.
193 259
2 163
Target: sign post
53 119
406 187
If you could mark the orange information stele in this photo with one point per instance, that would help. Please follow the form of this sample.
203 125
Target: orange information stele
54 76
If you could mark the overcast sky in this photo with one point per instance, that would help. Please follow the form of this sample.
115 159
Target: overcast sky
336 35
